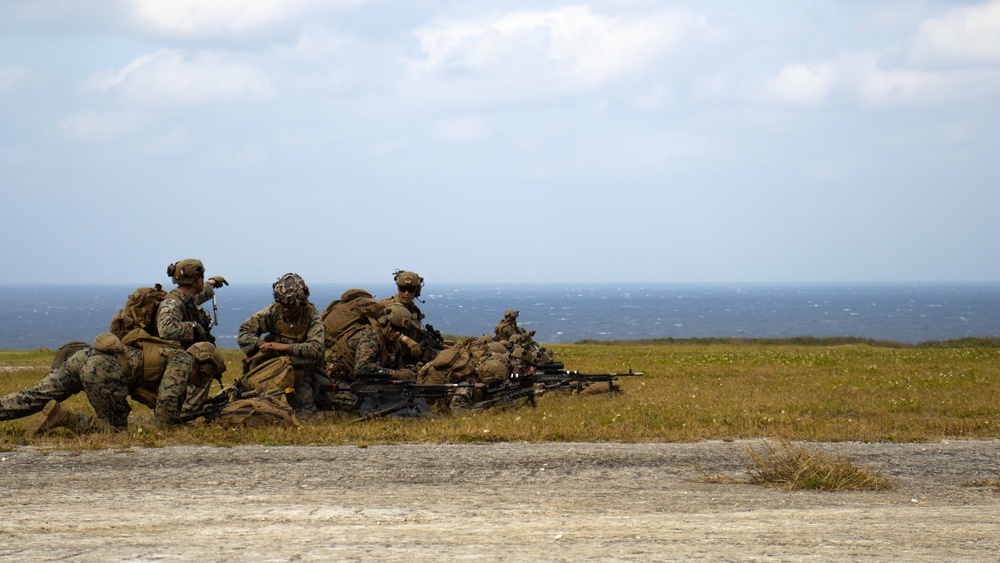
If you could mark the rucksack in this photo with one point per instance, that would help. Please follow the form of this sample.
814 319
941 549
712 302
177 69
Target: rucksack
139 311
355 310
450 366
67 350
271 378
255 412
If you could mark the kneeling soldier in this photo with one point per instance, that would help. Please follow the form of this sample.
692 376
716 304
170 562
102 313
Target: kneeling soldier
109 372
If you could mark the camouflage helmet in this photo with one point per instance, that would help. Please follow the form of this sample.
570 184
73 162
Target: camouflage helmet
185 272
492 370
543 356
207 353
497 348
510 314
523 354
397 316
291 290
408 278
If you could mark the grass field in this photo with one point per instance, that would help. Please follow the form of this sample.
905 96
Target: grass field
801 389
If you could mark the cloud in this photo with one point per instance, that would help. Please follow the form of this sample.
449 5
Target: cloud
194 18
800 84
539 53
963 37
947 58
167 78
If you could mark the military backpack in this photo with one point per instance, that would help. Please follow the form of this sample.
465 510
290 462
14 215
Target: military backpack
139 311
355 310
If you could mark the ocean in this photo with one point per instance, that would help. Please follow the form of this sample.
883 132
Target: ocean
46 316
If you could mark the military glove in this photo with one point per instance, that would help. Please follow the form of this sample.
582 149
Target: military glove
200 334
404 373
218 281
412 345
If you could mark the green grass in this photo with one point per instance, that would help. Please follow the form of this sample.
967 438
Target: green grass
826 390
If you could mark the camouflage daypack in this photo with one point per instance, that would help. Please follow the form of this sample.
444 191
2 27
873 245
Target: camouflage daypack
67 350
272 378
450 366
139 311
355 310
258 411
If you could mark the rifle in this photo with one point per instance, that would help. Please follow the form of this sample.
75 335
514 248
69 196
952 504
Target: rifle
431 342
573 379
212 408
395 395
508 393
527 386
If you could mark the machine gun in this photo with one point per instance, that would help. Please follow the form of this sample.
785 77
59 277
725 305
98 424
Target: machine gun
379 395
574 380
520 387
512 392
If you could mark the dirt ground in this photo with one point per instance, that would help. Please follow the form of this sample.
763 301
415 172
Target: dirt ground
522 502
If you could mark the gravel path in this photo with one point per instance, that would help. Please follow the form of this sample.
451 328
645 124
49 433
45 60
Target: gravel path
517 502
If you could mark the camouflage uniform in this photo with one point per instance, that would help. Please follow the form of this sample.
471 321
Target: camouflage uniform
108 379
508 327
414 332
305 336
181 317
373 352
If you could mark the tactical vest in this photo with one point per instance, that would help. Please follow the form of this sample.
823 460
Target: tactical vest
287 333
146 387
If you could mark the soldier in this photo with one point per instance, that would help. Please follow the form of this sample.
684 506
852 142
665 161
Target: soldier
108 372
522 362
408 286
181 318
292 327
508 328
371 349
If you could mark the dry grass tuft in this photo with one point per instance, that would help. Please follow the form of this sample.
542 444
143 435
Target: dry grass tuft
796 467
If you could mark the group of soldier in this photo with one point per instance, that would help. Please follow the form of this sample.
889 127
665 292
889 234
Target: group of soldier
172 370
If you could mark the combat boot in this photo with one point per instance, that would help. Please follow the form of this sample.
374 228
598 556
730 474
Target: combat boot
54 415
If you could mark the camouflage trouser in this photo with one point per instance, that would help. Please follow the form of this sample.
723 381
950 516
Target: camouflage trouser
99 375
312 392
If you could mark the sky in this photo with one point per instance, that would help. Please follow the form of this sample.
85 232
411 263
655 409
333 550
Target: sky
500 142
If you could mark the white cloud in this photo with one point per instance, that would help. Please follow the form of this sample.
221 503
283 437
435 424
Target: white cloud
167 77
535 53
953 57
803 85
965 36
212 17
